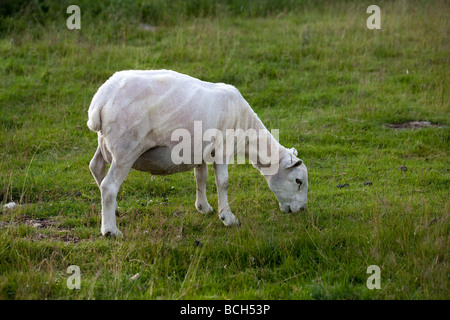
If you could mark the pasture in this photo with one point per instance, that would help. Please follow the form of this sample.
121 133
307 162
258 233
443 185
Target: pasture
349 99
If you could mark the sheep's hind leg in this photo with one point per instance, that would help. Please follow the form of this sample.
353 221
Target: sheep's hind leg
109 189
97 166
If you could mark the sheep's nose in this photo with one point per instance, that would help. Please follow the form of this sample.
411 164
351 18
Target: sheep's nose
302 208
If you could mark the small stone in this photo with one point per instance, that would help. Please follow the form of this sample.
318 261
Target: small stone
10 205
403 168
135 277
368 183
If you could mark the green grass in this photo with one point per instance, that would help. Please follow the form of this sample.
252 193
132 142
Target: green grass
313 71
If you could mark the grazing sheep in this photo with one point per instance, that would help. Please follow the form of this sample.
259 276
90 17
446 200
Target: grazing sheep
140 116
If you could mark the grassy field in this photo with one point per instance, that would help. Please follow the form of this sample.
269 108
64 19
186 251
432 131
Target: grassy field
310 69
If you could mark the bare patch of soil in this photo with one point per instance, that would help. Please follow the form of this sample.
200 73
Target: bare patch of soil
57 233
414 125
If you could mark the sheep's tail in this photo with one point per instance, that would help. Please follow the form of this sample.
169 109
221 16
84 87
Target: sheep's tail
95 121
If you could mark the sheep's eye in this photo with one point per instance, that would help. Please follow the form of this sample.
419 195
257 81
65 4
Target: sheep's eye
299 182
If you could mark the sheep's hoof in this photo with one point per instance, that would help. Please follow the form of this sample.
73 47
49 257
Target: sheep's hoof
113 234
205 208
229 219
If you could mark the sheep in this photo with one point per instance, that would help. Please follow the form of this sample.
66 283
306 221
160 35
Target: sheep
140 116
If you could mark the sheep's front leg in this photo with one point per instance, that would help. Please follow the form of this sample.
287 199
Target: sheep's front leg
201 177
221 171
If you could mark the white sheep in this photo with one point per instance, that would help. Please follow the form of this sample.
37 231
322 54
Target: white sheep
136 115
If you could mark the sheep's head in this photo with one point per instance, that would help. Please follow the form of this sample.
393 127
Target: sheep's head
290 183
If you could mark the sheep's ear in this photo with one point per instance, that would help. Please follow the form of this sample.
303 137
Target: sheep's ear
294 151
294 164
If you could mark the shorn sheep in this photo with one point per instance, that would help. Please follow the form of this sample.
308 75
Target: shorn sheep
163 122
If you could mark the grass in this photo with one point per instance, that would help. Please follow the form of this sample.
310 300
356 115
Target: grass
312 70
